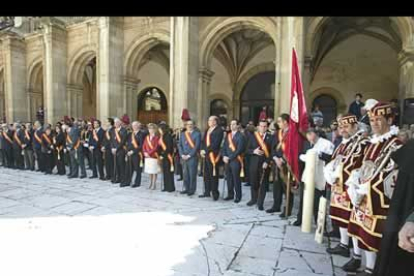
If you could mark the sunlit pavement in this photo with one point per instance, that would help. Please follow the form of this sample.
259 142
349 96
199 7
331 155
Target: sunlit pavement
51 225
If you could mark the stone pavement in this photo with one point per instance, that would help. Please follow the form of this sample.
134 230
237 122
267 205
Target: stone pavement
51 225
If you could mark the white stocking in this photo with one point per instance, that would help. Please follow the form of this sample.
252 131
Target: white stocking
357 250
371 258
344 236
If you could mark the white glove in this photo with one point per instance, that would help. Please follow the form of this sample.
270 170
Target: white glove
363 189
329 174
302 157
353 178
353 195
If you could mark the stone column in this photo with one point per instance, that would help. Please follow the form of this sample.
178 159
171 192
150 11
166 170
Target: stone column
292 36
74 100
55 62
184 71
130 99
2 98
110 69
14 58
306 79
406 86
203 104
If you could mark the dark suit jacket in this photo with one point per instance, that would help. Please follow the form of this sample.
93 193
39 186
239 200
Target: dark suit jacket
97 144
123 135
238 141
169 143
253 144
216 137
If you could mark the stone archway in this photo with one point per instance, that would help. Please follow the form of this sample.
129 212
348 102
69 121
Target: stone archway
217 42
81 89
358 54
2 96
35 89
147 64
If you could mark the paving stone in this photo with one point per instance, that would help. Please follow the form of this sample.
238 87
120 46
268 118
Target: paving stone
296 239
254 266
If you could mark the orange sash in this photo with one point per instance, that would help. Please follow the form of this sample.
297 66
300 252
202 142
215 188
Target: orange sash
7 137
233 149
95 135
69 140
150 144
134 141
118 138
189 139
213 159
261 143
16 138
47 139
37 138
170 158
26 133
281 139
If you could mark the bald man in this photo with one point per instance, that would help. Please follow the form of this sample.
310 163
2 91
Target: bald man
211 152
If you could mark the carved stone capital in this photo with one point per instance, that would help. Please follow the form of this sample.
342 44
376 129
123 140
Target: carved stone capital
206 74
406 55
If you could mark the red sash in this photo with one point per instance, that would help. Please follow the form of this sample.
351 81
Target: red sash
151 145
261 143
189 139
69 140
118 138
170 158
213 159
134 141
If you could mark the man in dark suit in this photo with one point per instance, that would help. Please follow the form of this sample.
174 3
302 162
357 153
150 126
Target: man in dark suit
134 146
232 152
28 148
189 146
73 144
259 150
18 146
95 146
118 151
107 148
211 154
355 107
37 146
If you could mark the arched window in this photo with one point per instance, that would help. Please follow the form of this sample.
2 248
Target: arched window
219 108
328 106
152 105
257 93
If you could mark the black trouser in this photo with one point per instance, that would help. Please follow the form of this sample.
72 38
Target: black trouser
263 187
168 175
255 174
2 162
109 163
277 189
119 168
48 158
9 157
60 163
317 196
96 161
233 169
178 167
18 158
74 163
40 160
29 159
87 155
81 155
210 180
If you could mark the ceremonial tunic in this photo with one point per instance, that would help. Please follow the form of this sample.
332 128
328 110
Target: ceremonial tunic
347 157
378 171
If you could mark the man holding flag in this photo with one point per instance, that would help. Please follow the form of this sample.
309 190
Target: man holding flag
298 125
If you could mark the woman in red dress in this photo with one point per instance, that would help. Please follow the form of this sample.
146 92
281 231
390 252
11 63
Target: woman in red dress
150 149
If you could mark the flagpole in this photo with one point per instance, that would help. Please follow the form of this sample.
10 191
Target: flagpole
287 194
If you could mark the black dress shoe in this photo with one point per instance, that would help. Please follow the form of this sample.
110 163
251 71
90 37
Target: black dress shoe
272 210
108 178
82 176
190 194
216 196
297 223
183 192
366 272
135 186
72 176
123 185
204 195
237 200
260 208
341 250
172 190
163 190
251 203
102 178
93 177
352 266
229 198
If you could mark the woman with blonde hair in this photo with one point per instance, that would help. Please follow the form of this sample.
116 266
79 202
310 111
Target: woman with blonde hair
150 149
